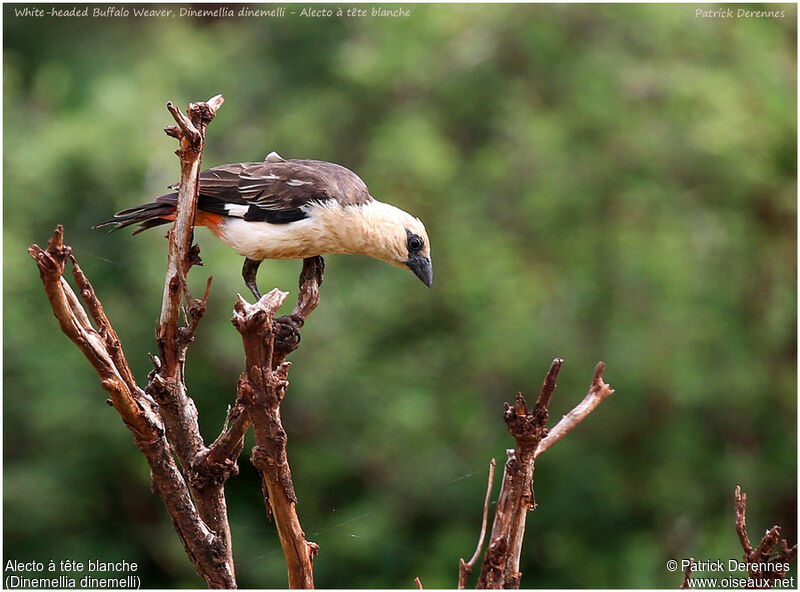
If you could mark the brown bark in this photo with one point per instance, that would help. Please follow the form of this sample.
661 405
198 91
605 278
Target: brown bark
527 425
162 417
687 575
138 410
763 566
205 474
261 390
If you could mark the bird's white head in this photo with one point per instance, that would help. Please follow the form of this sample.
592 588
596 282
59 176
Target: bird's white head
398 238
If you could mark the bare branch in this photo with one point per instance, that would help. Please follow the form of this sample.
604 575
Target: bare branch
418 583
103 324
262 389
763 567
465 568
740 504
125 395
192 137
502 560
204 473
598 392
687 575
549 384
163 418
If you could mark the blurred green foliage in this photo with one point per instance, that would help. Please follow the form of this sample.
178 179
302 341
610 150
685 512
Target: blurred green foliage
599 182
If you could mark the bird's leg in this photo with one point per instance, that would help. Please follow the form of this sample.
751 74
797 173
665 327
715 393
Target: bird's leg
287 335
249 270
310 281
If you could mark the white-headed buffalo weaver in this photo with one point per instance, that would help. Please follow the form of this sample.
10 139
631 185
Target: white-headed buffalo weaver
293 209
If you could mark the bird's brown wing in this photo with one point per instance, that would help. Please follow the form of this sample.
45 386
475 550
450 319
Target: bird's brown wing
276 190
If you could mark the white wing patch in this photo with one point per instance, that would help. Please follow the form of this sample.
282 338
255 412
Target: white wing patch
236 210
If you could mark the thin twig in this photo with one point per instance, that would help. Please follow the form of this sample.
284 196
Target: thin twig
465 568
740 505
687 575
598 392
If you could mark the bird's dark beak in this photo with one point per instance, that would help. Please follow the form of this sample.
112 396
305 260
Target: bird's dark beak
422 268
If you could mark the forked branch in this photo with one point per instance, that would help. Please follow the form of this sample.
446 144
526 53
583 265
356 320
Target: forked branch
139 411
763 566
528 427
162 418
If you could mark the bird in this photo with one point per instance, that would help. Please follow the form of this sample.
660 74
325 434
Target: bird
293 209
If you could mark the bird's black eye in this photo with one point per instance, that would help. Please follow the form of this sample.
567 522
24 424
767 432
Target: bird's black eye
414 243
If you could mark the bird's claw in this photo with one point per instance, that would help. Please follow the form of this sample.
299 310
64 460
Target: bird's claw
287 332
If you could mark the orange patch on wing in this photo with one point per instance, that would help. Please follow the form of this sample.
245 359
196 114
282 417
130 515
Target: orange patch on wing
210 221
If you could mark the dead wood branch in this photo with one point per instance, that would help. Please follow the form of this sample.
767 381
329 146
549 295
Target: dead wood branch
204 474
596 395
139 411
261 390
167 384
687 575
188 475
101 346
465 567
763 567
527 425
162 417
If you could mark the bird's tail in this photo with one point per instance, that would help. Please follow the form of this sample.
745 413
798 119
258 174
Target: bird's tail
146 215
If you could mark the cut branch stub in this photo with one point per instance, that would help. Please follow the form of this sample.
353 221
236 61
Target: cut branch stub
257 318
549 384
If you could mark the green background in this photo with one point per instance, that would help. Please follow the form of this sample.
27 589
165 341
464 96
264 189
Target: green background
610 183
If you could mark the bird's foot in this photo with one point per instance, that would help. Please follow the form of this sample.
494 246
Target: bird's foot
287 332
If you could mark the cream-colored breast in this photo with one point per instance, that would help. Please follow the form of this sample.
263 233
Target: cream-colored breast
329 228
